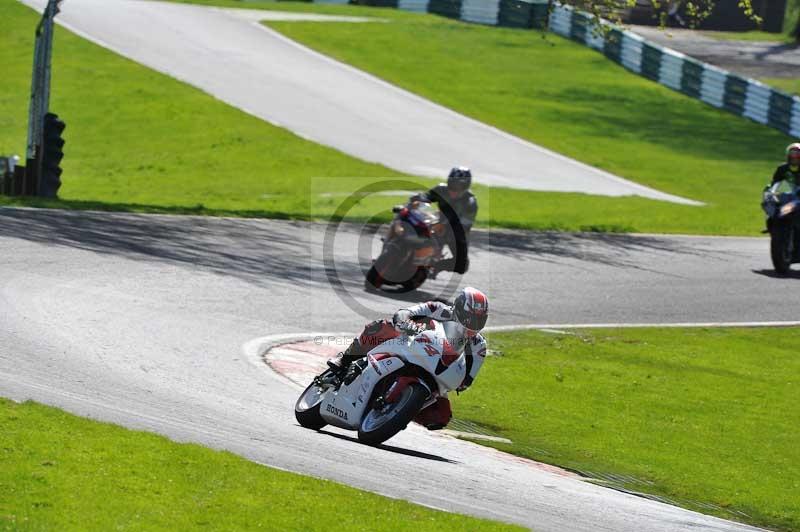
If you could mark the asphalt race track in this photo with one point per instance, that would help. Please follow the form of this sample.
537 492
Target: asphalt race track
156 322
141 320
228 54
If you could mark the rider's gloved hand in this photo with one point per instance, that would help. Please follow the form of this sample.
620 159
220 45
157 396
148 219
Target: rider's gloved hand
401 316
409 327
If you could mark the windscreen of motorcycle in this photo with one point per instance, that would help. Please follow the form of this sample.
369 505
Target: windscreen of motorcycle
432 351
784 187
424 212
456 334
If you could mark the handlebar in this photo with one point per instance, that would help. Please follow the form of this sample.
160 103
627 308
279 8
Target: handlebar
410 327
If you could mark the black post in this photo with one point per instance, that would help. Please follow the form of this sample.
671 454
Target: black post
52 153
40 100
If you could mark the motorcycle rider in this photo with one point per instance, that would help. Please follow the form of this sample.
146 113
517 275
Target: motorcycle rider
459 206
462 323
790 170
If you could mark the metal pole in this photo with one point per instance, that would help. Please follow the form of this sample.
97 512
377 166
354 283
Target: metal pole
32 109
40 96
48 53
34 122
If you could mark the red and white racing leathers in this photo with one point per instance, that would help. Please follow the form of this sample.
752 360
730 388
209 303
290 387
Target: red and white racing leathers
472 346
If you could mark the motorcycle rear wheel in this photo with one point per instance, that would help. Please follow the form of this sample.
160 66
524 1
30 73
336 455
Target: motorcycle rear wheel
381 423
306 410
781 248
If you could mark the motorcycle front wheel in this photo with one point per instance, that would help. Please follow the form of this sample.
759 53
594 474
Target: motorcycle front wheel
782 248
306 410
385 265
384 420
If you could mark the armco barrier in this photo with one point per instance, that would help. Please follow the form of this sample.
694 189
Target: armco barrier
480 11
671 71
631 55
742 96
508 13
420 6
520 14
445 8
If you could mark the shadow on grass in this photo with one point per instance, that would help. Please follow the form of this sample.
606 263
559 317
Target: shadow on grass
675 127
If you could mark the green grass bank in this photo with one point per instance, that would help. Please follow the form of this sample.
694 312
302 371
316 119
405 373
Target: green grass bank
62 472
572 100
701 416
790 85
146 142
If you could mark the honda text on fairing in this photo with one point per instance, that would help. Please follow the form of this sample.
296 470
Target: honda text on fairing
411 248
398 380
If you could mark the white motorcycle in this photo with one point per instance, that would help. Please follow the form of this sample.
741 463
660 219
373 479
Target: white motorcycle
398 379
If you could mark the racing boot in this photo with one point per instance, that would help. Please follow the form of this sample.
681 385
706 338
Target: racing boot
354 371
341 362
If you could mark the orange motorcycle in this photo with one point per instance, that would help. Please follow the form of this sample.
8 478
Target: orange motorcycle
412 246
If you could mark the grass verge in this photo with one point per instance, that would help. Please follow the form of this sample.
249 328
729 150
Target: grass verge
61 472
701 416
148 143
790 85
572 100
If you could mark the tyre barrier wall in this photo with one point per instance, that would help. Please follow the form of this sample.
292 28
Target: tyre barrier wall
742 96
507 13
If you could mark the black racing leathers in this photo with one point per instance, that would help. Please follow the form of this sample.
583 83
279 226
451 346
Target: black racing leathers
460 213
785 172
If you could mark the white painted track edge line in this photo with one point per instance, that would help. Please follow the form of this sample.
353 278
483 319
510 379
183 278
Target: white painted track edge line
647 192
256 349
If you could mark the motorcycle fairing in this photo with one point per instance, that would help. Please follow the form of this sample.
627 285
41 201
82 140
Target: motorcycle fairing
788 208
426 350
345 407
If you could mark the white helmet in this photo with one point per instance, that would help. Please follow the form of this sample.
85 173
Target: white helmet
793 154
